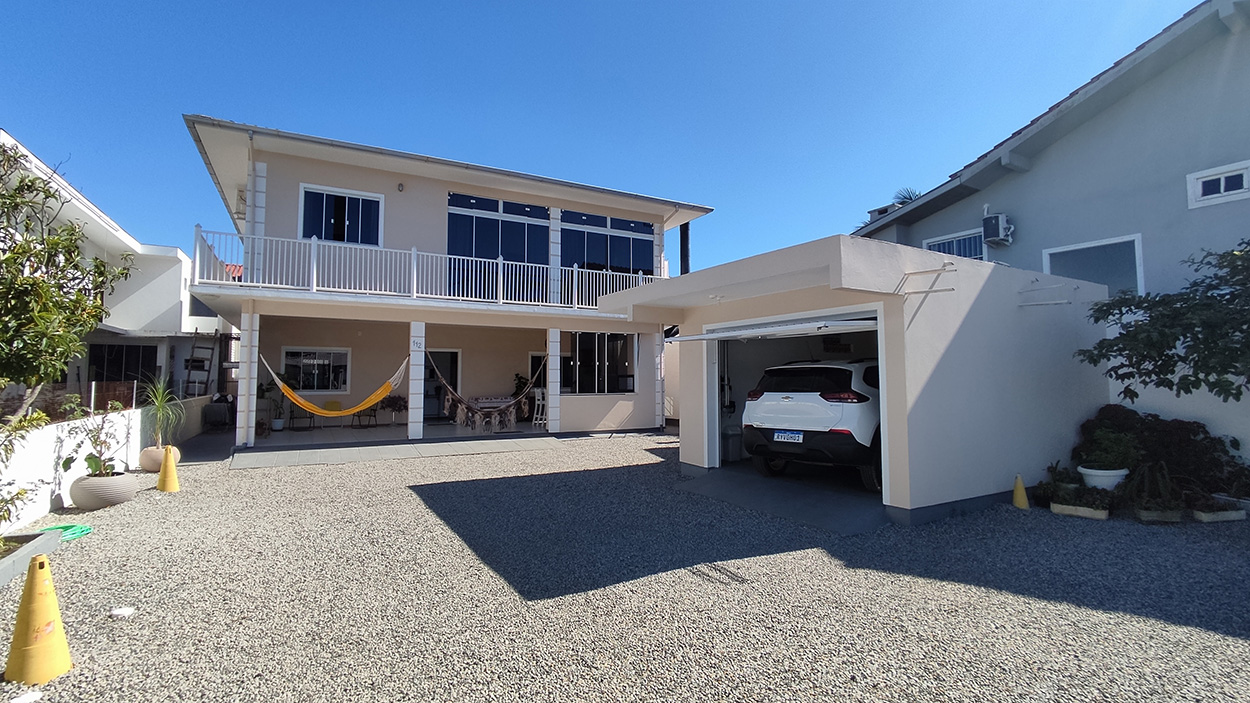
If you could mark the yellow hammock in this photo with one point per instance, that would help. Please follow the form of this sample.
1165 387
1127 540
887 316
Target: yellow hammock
315 409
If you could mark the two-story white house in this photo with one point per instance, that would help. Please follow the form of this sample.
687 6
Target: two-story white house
346 259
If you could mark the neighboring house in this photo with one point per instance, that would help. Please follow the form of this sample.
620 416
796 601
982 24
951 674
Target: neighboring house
1143 166
153 319
346 259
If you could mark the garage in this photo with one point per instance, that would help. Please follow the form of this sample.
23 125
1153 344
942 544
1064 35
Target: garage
977 380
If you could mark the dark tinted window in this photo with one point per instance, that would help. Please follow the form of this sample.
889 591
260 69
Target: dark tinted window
526 210
313 204
581 218
459 234
472 202
620 254
572 248
485 238
537 248
352 223
596 251
334 225
805 379
632 226
1211 187
1237 181
512 240
872 377
644 256
369 210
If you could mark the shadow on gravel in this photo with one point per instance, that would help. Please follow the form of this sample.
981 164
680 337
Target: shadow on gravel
1193 575
550 535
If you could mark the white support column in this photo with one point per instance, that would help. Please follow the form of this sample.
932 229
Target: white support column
254 222
249 374
657 249
553 256
553 380
416 380
659 379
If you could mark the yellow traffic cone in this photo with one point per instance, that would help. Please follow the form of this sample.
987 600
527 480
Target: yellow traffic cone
1019 498
39 652
168 480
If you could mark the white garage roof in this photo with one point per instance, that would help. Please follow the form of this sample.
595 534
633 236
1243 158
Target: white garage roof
783 329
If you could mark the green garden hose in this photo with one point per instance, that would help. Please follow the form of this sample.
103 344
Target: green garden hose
70 532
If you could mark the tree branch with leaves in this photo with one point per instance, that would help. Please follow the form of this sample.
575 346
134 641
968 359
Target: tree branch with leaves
51 293
1195 339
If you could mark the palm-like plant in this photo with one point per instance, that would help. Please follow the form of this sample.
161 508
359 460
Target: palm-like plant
903 196
167 412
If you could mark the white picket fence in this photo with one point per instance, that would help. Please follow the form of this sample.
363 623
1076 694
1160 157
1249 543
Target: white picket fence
312 264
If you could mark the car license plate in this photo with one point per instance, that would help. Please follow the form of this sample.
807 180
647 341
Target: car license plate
788 437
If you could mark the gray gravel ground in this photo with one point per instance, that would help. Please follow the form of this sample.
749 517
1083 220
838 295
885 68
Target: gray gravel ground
580 574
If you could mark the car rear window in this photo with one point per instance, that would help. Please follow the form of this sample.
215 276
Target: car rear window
805 380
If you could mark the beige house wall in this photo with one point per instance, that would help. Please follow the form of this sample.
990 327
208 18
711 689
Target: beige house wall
489 358
415 217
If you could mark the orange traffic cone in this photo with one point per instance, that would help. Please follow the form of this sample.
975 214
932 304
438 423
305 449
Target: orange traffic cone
1019 498
168 480
39 652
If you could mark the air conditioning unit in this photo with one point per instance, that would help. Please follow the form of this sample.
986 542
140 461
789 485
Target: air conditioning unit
996 230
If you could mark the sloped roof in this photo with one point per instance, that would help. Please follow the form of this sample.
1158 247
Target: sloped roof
1201 24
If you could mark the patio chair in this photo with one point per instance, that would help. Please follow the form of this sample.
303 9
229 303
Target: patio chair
299 415
333 406
364 419
540 408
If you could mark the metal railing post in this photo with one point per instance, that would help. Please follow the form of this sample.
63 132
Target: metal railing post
196 261
576 287
499 279
312 265
414 272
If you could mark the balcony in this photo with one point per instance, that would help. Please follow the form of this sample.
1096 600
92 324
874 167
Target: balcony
228 259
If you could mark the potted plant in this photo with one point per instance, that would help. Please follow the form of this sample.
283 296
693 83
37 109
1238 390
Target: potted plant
104 484
1208 508
1154 495
1082 501
394 403
167 415
1107 459
277 405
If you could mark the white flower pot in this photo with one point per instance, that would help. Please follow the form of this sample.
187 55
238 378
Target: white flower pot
1102 478
277 424
95 492
150 459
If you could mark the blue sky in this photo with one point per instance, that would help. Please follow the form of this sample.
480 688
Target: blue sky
792 119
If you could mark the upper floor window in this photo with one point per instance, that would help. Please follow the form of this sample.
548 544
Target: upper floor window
486 228
1219 185
593 243
969 244
340 215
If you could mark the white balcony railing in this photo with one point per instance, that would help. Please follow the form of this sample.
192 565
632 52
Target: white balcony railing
223 258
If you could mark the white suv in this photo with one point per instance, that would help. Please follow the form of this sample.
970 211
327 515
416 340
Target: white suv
818 412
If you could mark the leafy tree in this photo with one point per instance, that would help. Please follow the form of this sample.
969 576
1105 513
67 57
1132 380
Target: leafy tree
51 294
1197 338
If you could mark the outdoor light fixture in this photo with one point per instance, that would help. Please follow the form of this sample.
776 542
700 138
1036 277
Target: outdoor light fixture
401 187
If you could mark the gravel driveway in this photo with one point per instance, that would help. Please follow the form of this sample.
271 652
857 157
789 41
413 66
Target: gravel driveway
580 574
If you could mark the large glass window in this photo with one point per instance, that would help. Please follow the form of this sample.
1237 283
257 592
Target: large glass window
121 362
317 369
600 362
342 217
485 228
599 251
970 244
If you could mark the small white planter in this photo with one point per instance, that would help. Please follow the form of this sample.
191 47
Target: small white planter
277 424
1220 516
95 492
1079 511
151 458
1106 479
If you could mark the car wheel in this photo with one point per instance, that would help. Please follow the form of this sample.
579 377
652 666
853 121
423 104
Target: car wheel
770 467
870 474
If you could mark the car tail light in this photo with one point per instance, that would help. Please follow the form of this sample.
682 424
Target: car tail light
754 394
839 430
845 397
